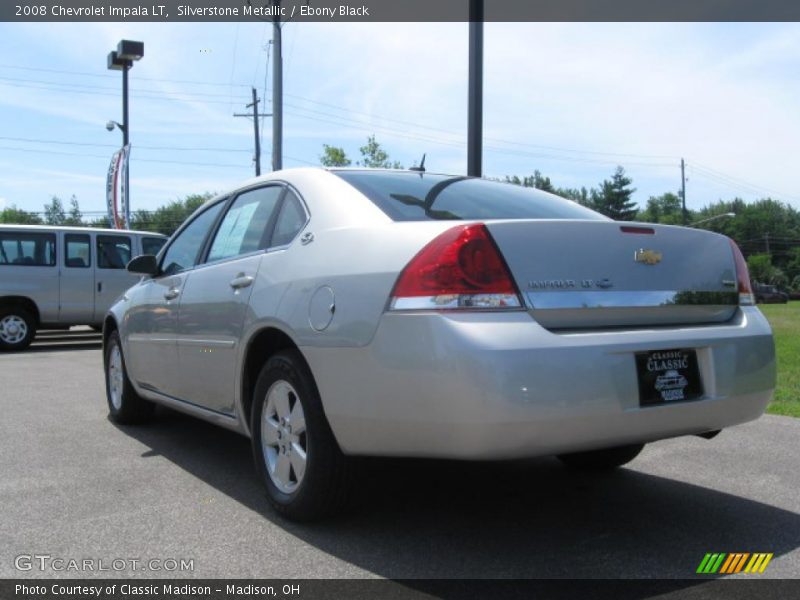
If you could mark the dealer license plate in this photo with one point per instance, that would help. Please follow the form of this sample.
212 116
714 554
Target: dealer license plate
668 376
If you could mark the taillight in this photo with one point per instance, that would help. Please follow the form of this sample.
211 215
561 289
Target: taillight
462 269
746 297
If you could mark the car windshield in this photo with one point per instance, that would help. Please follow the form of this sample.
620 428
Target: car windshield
414 196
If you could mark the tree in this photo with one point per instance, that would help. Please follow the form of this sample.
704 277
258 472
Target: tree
75 217
54 212
614 197
581 196
166 219
14 216
537 180
333 156
666 208
375 157
761 269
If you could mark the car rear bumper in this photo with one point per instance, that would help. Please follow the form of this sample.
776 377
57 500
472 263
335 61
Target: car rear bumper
498 385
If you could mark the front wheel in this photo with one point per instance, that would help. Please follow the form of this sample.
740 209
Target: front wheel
17 328
601 460
125 406
304 471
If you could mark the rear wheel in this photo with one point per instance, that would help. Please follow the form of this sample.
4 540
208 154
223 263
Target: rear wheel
17 328
124 405
304 471
600 460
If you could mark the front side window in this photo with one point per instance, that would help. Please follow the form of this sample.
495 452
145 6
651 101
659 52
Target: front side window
28 249
411 196
244 227
77 251
184 250
113 251
290 221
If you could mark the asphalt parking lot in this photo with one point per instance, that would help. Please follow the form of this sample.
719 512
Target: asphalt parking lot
74 485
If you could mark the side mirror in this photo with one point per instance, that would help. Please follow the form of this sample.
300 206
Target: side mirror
146 264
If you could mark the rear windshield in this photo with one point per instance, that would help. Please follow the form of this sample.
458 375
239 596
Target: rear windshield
411 196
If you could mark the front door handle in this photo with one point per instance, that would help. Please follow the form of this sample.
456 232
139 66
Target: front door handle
172 293
241 281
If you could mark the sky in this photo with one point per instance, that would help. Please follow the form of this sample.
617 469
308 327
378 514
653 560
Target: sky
572 100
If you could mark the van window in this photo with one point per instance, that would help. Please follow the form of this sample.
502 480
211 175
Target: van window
151 245
245 224
113 251
77 251
28 249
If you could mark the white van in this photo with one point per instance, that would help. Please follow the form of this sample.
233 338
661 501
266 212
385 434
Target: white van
63 276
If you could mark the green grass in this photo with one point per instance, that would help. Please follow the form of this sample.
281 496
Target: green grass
785 321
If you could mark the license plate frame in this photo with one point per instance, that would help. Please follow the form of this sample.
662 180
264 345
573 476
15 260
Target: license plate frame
668 376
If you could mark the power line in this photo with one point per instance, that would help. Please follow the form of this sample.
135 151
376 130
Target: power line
61 71
70 143
151 160
160 96
40 82
720 174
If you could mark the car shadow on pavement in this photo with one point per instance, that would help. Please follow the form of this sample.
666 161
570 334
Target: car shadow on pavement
522 519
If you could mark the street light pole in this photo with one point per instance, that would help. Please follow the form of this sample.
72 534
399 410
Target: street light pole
122 59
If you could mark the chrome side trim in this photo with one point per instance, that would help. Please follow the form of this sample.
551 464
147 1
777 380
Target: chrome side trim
196 342
139 337
627 299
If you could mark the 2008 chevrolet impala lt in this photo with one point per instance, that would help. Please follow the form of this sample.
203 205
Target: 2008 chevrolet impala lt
330 314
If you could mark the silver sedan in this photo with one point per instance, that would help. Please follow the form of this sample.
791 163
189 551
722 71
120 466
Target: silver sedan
331 314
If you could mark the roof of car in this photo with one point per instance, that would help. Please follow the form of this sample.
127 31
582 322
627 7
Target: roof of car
79 229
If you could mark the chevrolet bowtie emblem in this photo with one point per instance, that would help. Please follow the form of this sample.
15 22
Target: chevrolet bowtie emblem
648 257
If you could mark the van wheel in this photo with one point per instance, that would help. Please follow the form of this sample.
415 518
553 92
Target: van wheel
601 460
296 455
125 406
17 328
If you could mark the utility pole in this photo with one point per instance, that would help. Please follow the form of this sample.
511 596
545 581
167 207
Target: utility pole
255 116
277 92
766 242
475 93
683 192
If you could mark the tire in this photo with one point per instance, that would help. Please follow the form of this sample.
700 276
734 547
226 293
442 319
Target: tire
125 406
17 328
601 460
305 474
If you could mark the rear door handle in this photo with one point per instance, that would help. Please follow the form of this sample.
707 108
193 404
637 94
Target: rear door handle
172 293
241 281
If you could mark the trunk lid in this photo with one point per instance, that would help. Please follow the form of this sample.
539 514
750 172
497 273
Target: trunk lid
595 274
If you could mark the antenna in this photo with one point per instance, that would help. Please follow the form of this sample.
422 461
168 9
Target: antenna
421 167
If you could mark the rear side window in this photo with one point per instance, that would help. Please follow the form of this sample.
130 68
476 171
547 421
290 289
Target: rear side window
152 245
77 251
28 249
113 251
412 196
290 221
244 227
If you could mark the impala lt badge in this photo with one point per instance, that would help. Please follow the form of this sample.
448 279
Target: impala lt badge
648 257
